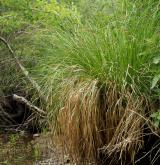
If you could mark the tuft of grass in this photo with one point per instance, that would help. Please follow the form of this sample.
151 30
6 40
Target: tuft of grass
104 72
96 77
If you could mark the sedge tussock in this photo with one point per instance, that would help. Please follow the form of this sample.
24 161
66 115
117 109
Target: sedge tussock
94 123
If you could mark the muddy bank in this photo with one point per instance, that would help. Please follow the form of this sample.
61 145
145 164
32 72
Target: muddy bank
30 149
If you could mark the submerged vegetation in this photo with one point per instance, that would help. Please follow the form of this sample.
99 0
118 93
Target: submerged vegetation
96 66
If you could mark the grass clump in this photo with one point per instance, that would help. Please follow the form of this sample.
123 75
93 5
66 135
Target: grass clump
97 122
95 72
105 70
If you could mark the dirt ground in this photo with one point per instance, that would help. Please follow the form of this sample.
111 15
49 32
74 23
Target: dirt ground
29 149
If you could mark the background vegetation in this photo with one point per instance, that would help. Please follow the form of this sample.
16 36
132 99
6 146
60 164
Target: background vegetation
97 65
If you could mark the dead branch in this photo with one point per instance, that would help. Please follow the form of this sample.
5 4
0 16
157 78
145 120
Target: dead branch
22 68
21 99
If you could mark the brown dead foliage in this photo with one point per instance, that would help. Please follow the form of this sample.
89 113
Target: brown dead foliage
99 121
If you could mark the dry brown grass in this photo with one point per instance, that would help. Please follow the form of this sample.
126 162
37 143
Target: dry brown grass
101 121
